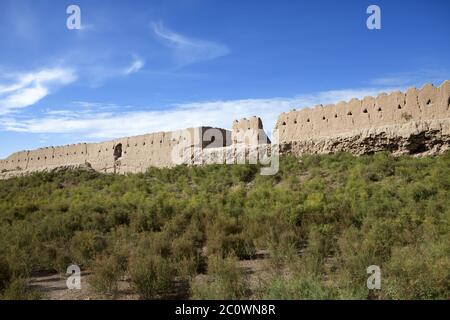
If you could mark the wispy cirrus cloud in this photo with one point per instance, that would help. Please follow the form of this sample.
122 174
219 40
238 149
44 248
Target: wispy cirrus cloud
136 65
97 70
108 122
187 50
25 89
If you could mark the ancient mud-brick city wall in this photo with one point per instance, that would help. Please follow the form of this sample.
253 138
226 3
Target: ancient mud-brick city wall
247 142
130 154
410 122
386 109
414 122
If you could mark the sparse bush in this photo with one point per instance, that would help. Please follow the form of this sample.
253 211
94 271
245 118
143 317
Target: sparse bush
151 276
5 274
107 271
298 288
226 281
18 290
85 245
225 236
407 277
321 221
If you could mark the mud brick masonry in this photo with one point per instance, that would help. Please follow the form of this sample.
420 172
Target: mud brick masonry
414 122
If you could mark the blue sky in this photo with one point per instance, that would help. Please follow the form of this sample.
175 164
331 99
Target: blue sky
143 66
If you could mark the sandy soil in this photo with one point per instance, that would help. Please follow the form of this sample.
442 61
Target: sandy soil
54 287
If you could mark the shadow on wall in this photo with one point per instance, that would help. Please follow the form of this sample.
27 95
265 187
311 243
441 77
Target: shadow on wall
118 152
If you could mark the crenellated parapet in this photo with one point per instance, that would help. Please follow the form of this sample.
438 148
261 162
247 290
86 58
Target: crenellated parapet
249 131
427 103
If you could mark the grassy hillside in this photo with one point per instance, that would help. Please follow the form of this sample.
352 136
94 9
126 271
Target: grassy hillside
322 219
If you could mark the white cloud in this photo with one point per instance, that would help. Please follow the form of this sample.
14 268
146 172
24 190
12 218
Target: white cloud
187 50
136 65
23 90
101 124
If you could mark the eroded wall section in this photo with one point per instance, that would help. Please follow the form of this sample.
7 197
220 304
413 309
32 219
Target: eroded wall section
129 154
427 103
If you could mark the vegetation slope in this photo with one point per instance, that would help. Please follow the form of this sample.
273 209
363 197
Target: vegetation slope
322 220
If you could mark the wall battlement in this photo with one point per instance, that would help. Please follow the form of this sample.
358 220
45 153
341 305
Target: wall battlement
414 122
248 131
129 154
427 103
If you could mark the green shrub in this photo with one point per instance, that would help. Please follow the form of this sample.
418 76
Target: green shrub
151 276
107 272
298 288
85 245
225 236
407 277
18 290
321 221
5 274
227 281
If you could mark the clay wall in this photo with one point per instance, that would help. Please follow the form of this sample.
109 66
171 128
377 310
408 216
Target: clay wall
427 103
129 154
247 140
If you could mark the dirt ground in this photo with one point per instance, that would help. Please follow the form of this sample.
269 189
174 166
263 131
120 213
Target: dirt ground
54 287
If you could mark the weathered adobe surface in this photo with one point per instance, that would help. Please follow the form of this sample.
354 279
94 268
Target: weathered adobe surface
249 143
414 122
425 137
129 154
